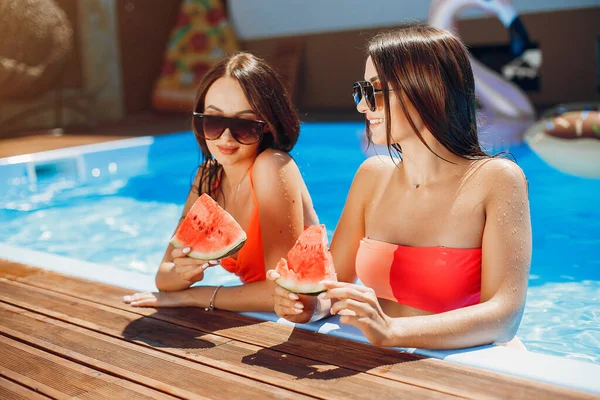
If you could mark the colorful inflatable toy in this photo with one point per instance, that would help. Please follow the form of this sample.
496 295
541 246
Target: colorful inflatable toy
200 38
568 138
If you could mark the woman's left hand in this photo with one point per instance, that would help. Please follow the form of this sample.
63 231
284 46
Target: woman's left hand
155 299
358 305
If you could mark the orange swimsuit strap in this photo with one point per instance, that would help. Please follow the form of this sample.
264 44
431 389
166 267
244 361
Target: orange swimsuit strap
250 263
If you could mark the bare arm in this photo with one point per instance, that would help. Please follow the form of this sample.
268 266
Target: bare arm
351 226
344 245
167 279
506 246
277 185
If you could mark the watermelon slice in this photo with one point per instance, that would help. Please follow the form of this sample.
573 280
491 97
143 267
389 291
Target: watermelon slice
309 262
209 231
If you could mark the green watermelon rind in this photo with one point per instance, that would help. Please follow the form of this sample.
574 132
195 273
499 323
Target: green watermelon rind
311 289
210 256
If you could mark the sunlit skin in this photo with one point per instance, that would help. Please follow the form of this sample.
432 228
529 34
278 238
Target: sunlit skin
280 191
462 204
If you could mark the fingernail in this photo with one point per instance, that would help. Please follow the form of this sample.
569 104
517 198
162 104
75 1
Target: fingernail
213 262
169 264
293 296
204 266
322 296
126 298
185 250
297 310
299 305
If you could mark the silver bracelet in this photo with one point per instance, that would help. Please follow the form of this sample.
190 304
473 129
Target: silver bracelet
211 303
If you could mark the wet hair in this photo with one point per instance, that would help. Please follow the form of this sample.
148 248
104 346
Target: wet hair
268 98
431 68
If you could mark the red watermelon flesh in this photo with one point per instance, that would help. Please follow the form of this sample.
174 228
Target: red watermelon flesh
309 262
209 231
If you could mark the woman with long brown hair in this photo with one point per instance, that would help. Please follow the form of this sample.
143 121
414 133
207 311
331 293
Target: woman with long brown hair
440 236
245 125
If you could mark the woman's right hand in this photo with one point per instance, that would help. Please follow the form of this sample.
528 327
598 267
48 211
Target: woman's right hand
297 308
190 269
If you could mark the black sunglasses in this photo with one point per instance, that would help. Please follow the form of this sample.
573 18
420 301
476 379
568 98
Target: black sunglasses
244 131
366 89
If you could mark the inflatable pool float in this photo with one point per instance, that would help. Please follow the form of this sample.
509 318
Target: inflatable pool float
568 139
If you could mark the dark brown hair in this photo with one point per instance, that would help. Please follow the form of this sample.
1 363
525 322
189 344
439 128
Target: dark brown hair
432 68
268 98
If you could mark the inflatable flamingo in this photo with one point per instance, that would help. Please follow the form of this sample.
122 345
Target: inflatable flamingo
506 112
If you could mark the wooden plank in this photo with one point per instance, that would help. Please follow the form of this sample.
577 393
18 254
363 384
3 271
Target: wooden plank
139 364
429 373
299 374
11 391
62 379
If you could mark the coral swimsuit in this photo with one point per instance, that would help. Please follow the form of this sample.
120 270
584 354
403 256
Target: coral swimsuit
434 279
250 263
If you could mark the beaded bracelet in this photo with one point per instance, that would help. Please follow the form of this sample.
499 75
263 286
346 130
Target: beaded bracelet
211 303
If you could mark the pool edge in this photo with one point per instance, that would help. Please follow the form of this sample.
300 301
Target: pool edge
554 370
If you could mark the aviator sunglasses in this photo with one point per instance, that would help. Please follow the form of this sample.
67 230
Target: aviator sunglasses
244 131
366 89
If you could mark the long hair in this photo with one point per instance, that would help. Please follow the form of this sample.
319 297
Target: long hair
268 98
431 67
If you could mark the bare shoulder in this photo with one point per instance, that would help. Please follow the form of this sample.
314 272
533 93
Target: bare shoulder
378 166
275 168
374 169
271 161
501 176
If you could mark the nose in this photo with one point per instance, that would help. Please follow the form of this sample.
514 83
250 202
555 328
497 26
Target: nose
227 136
361 107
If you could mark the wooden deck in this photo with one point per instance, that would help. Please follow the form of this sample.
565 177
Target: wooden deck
133 126
64 337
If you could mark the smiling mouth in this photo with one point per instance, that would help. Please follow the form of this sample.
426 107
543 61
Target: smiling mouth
227 150
375 121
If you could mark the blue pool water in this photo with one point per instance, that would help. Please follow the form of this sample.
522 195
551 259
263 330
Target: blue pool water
120 207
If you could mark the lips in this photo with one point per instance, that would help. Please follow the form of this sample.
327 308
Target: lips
227 150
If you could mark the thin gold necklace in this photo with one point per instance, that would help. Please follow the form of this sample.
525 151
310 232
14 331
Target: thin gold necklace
237 192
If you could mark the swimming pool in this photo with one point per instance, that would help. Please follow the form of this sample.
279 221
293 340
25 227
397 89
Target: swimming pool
117 204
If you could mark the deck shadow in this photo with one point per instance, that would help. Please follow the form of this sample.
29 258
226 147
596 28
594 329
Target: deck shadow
334 357
159 334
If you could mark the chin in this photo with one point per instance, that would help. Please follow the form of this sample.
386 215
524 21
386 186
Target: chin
378 135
